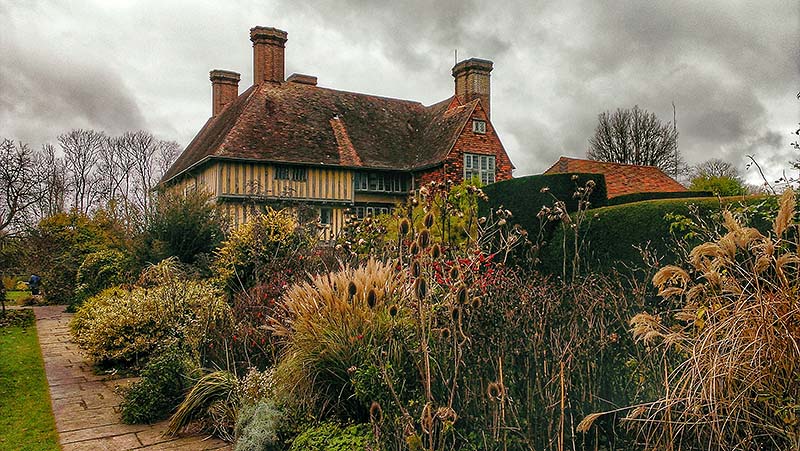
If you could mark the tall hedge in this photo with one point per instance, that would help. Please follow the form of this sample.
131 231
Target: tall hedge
612 233
524 197
638 197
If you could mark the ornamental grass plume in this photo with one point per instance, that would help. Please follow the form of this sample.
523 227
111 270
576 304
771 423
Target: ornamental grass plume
737 333
326 326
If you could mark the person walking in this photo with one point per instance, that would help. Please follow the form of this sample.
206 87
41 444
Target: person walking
33 284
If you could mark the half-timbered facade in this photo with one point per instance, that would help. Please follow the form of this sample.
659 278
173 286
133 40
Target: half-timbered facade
287 141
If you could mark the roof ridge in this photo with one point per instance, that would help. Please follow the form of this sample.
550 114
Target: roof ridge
347 152
612 162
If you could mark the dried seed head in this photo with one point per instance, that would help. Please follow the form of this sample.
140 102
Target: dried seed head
414 249
372 298
424 238
375 412
461 295
351 289
436 251
445 333
455 313
393 311
405 227
476 302
416 269
454 273
421 288
428 221
494 391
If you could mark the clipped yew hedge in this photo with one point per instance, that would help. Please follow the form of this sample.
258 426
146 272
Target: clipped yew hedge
612 233
638 197
523 196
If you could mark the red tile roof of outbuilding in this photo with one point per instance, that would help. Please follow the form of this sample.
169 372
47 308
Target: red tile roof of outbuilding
621 178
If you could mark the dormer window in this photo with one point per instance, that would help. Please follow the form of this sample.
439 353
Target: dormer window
479 127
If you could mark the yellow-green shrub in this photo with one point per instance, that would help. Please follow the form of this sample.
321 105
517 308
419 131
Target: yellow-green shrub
259 246
125 326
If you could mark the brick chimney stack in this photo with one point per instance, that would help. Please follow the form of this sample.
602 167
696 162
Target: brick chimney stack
268 45
224 89
472 81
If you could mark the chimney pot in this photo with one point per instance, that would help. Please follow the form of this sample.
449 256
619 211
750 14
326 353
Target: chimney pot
472 81
268 54
224 89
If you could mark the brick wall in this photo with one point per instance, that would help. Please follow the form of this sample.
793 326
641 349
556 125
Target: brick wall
475 143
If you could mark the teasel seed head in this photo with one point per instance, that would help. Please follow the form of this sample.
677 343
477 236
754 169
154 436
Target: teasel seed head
455 313
476 302
445 333
494 391
375 412
393 310
421 288
414 249
462 295
416 269
454 273
405 227
424 238
372 298
351 289
428 221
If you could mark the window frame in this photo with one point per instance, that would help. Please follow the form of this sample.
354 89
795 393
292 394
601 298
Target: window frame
480 166
479 126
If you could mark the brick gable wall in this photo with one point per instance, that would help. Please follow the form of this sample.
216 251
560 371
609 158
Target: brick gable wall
475 143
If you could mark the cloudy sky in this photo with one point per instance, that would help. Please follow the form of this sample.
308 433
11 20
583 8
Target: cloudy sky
732 68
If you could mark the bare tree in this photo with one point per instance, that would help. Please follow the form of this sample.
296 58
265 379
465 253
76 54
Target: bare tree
715 167
81 153
20 187
53 182
635 136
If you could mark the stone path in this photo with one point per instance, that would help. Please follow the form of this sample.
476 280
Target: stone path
85 405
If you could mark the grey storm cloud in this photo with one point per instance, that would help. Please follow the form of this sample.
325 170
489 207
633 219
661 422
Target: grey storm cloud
732 69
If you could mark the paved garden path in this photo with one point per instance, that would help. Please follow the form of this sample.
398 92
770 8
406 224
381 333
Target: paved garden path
85 405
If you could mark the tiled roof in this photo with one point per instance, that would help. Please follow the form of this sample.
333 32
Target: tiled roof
300 123
621 178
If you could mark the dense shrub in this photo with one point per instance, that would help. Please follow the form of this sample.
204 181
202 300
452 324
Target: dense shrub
59 244
261 248
102 269
333 437
164 381
122 326
184 226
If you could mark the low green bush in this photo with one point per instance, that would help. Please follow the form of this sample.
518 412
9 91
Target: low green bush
333 437
257 427
164 382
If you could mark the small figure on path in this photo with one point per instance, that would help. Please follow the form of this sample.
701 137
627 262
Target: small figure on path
3 297
33 284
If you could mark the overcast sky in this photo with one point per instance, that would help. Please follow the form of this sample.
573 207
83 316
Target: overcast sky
732 68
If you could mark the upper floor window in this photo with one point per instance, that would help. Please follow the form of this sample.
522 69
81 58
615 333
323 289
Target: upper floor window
297 174
481 167
479 126
362 212
379 181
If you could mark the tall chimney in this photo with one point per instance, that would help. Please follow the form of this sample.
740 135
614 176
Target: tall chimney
224 89
472 81
268 45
